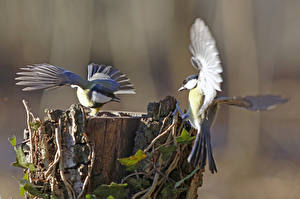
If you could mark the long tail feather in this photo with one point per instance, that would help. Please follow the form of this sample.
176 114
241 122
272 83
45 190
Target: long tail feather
46 76
203 156
196 148
202 149
200 152
211 161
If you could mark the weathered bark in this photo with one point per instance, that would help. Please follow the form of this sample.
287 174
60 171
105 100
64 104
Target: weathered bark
113 138
70 149
75 154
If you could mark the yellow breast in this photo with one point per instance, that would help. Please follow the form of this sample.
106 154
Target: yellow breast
196 98
84 98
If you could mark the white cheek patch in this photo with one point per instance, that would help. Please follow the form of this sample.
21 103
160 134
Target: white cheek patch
191 84
74 86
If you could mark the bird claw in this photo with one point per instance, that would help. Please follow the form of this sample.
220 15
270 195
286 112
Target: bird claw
184 116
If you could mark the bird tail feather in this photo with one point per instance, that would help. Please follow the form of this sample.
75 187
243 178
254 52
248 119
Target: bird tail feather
96 71
202 149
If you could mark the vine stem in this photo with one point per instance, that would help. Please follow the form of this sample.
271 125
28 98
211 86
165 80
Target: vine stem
28 113
157 137
152 188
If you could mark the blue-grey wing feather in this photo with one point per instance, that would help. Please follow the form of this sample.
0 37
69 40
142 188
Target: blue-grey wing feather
110 78
109 84
46 76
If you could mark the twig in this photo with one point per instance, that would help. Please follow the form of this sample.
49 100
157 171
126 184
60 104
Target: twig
174 121
139 193
152 188
160 146
51 167
53 164
157 137
51 182
174 163
29 129
23 142
192 192
163 122
30 133
159 134
156 182
165 176
180 128
133 174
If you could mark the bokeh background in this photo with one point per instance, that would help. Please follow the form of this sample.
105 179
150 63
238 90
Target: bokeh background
258 154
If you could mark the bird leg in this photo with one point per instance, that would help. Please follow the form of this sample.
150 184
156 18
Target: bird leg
94 112
184 116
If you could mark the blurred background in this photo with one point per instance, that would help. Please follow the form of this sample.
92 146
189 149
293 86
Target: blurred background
257 153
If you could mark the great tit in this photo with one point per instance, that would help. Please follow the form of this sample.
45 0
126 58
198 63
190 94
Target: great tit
202 88
102 85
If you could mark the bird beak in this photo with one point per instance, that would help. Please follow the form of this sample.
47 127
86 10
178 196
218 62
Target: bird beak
181 88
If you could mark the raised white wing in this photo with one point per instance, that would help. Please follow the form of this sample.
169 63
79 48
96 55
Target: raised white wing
205 58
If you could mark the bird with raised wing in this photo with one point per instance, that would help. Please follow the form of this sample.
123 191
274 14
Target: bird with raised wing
202 88
102 85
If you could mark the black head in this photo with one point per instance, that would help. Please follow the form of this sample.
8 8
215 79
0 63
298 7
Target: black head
189 83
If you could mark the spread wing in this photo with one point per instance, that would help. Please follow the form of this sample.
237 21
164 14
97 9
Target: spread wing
46 76
205 58
253 103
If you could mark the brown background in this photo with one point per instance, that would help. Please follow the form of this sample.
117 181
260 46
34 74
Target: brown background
257 153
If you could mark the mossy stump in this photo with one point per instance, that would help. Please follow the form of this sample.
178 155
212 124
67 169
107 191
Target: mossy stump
75 154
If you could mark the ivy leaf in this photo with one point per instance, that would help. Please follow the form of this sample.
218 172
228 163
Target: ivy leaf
115 190
30 188
26 186
185 178
91 196
26 175
184 137
20 156
134 159
21 160
13 141
167 151
35 125
21 191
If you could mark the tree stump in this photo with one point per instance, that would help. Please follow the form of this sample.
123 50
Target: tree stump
75 155
70 155
113 137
